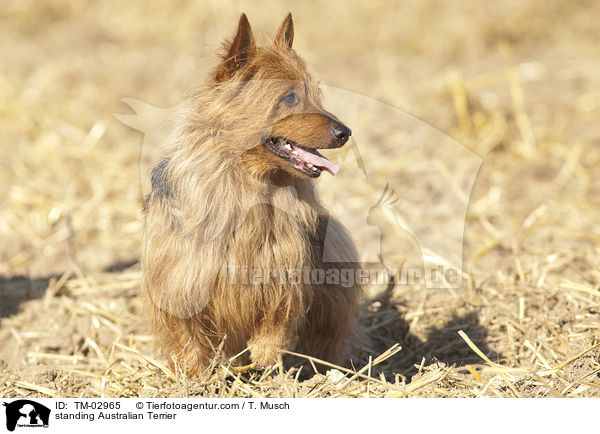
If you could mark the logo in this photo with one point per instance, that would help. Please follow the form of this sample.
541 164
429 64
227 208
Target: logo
410 176
26 413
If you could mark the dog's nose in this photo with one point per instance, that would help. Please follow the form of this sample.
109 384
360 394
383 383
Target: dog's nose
342 133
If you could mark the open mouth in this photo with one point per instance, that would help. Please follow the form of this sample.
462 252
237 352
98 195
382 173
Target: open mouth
305 160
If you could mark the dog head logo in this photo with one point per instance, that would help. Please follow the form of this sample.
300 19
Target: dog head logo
419 178
26 413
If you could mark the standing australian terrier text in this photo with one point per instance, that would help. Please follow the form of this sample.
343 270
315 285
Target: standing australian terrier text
234 194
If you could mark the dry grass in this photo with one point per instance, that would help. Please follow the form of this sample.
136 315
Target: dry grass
518 87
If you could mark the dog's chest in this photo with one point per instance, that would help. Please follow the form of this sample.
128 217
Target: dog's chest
275 233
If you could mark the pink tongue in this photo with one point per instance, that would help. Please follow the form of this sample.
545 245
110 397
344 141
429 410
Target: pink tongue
322 162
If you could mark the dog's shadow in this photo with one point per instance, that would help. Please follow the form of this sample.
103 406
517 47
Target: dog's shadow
442 344
17 290
386 325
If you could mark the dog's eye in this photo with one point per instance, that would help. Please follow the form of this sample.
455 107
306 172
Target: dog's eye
291 99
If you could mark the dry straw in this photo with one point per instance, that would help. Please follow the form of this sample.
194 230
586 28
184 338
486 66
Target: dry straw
526 321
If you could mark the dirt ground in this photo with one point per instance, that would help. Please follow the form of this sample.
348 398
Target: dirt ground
489 109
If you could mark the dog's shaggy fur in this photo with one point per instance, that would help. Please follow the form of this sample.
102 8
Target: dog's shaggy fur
224 205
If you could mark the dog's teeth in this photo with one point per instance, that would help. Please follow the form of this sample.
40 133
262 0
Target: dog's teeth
294 152
288 146
315 169
310 165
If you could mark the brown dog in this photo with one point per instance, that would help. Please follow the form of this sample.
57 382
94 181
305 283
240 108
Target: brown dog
237 250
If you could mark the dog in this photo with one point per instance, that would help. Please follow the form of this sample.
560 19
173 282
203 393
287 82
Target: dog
234 195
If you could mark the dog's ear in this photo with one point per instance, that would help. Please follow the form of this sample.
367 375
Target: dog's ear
238 51
285 34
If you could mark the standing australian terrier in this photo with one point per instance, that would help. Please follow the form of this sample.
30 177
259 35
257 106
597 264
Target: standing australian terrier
236 244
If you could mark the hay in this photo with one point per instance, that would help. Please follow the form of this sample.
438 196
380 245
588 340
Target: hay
526 321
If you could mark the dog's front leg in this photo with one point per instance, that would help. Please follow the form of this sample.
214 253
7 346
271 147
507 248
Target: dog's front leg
267 339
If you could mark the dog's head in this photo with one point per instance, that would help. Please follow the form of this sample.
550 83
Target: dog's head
279 99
